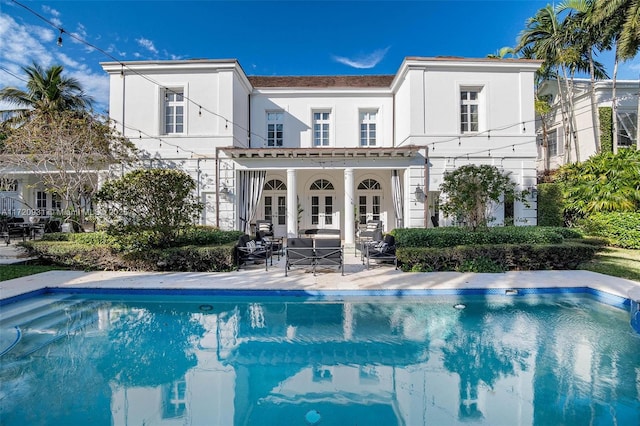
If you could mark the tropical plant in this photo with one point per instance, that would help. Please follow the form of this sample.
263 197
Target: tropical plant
606 182
47 91
471 190
154 203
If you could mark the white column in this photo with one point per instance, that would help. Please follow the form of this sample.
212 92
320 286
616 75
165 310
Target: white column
349 219
292 204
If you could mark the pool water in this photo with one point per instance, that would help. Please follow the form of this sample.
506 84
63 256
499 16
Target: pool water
230 360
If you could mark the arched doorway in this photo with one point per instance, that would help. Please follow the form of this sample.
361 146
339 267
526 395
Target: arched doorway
274 202
369 193
323 213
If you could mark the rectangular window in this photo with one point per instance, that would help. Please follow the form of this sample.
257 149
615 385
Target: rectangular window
321 126
275 127
627 123
552 143
282 210
469 105
41 201
328 210
315 210
173 111
368 128
362 209
268 208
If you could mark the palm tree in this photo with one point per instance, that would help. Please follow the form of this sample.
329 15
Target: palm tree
622 18
587 37
47 91
543 38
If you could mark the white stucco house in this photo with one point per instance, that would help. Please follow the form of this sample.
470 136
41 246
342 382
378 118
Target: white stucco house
561 144
328 152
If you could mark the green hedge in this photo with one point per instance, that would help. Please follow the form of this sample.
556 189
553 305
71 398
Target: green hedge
495 257
454 236
76 255
620 229
185 259
550 210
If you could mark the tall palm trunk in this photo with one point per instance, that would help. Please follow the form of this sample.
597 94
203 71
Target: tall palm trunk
614 104
572 116
595 117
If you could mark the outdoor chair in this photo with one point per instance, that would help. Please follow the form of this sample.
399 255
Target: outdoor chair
328 254
249 251
371 231
380 252
299 253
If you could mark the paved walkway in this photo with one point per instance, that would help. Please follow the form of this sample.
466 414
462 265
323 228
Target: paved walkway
356 278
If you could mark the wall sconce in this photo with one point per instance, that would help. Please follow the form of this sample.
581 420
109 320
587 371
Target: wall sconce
533 192
224 190
419 193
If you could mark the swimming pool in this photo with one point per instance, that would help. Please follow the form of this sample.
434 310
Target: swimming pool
327 360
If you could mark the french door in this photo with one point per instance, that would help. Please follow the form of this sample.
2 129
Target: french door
323 212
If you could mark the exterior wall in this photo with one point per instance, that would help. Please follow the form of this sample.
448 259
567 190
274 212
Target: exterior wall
506 134
298 107
585 125
418 113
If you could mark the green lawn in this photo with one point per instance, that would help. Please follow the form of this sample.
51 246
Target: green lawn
8 272
617 262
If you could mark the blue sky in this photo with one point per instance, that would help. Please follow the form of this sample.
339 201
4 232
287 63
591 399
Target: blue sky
267 37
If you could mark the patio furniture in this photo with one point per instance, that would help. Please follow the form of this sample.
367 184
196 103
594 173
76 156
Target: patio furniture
328 254
312 253
249 251
299 253
371 231
381 252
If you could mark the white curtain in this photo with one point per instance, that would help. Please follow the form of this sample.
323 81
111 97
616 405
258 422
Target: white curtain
397 196
251 185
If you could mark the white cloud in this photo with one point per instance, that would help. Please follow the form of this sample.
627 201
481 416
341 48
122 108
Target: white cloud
55 15
147 44
363 61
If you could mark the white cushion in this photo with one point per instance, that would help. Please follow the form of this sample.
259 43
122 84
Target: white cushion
251 245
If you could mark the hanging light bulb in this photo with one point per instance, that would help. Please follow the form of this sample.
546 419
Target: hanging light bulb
200 110
59 43
524 128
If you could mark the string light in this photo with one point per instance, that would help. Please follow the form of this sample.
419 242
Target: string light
524 128
59 42
200 110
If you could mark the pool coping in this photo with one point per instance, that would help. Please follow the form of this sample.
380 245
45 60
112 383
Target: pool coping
382 280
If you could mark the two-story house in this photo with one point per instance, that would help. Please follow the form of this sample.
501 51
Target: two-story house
330 151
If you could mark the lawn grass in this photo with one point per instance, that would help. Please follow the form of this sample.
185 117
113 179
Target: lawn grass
617 262
9 272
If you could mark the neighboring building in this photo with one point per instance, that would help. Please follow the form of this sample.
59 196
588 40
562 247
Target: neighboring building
560 146
329 151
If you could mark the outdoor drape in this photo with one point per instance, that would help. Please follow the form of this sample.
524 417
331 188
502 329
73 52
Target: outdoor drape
251 185
397 196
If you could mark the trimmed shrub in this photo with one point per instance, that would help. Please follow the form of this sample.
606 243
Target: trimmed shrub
620 229
185 259
453 236
75 255
550 206
207 235
494 258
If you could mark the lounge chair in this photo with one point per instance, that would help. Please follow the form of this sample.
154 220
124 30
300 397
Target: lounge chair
299 253
329 254
383 251
249 251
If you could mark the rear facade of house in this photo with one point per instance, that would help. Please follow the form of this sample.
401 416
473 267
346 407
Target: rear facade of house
330 152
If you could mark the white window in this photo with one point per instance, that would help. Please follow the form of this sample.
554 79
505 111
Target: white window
469 106
275 129
627 122
368 128
173 111
552 143
321 128
41 202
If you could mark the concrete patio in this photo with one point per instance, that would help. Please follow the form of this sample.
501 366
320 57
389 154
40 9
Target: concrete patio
356 279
